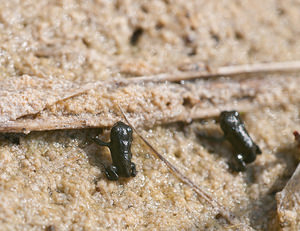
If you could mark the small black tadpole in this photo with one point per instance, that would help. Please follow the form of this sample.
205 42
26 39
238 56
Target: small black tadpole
120 149
235 132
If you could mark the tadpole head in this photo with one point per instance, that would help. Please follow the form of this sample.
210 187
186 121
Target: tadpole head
121 131
228 120
229 115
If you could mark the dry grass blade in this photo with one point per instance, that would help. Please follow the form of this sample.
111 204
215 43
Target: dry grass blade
29 95
222 71
230 218
158 103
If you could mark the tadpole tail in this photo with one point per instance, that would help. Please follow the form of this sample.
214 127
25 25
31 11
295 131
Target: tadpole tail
228 216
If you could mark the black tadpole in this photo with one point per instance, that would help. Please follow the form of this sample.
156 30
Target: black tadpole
235 132
120 149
